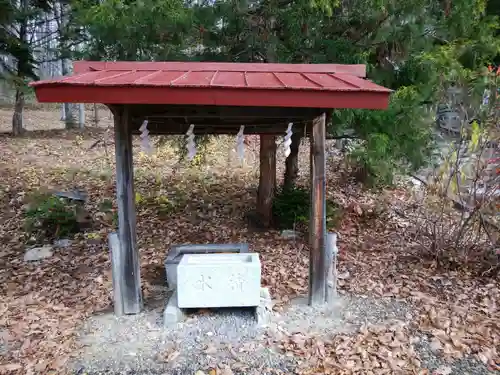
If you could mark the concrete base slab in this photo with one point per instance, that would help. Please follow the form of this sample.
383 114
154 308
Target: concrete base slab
172 313
264 311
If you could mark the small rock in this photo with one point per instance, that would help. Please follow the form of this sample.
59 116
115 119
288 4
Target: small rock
62 243
435 345
343 275
264 310
75 195
38 253
262 315
443 370
288 234
265 295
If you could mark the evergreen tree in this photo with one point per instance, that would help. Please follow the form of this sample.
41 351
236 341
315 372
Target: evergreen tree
134 30
16 18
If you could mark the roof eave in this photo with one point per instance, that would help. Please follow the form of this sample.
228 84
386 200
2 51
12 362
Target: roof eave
220 96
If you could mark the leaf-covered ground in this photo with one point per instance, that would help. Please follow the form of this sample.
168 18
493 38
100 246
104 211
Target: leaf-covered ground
453 328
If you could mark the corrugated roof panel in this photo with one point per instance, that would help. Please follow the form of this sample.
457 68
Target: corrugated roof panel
164 78
359 82
90 77
328 81
296 80
264 79
216 84
84 66
194 79
124 79
229 79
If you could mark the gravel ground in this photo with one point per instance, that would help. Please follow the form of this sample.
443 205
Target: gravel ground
139 345
346 314
462 366
228 337
206 339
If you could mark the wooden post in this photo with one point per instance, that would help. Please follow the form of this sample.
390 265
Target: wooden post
317 223
267 178
331 266
130 268
116 262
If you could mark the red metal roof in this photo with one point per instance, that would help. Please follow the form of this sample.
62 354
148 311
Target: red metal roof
229 84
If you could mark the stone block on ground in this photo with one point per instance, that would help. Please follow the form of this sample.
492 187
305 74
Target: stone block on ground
172 313
38 253
289 234
218 280
62 243
176 253
264 311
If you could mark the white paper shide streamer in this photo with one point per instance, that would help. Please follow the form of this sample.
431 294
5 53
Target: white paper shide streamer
288 140
190 144
146 146
240 145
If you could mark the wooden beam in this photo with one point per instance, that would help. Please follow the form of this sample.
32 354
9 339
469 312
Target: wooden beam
220 112
170 126
317 223
130 285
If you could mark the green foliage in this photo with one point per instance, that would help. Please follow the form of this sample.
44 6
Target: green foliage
179 143
15 19
133 30
51 217
415 47
161 203
291 207
397 139
106 205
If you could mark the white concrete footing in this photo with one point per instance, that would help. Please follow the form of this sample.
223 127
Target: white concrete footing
264 311
172 313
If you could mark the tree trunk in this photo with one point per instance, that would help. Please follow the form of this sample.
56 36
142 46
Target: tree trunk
267 179
81 115
69 117
17 119
292 162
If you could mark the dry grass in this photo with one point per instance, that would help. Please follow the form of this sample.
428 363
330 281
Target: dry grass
39 117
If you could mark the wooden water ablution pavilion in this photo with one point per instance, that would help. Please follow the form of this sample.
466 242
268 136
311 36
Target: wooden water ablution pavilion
217 98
